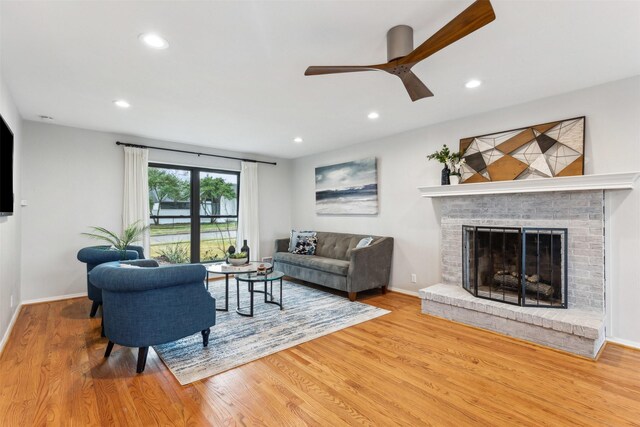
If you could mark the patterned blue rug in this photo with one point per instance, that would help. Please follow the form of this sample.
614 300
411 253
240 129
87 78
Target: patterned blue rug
235 340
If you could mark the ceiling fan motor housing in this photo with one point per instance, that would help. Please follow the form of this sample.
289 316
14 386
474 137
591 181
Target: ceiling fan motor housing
402 57
399 42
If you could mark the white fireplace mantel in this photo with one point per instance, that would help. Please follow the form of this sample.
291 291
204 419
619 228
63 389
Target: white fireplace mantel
607 181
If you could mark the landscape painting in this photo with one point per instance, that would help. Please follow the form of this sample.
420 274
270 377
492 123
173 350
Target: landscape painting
347 188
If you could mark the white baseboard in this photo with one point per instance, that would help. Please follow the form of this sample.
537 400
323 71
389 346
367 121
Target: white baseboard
624 342
12 322
56 298
403 291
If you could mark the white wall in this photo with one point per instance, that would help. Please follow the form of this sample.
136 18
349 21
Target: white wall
10 227
73 180
612 145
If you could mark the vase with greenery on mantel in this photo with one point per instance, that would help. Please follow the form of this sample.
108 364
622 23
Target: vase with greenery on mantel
452 163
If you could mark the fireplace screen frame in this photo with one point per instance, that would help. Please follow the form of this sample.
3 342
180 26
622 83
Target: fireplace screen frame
469 263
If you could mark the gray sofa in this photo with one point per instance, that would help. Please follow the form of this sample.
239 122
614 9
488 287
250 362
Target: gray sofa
338 264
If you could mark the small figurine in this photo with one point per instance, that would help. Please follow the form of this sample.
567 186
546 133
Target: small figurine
261 270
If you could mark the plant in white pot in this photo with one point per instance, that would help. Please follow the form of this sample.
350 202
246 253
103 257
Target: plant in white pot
238 258
455 162
447 158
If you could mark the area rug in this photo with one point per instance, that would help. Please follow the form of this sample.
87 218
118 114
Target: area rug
235 340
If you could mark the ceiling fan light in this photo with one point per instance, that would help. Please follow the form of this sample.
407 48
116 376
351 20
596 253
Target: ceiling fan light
154 40
472 84
121 103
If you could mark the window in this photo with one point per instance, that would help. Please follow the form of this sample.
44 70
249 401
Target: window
194 213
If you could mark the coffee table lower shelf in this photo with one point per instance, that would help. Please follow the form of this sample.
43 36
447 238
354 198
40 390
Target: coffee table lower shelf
252 280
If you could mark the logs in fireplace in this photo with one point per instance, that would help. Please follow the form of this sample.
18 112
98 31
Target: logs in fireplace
522 266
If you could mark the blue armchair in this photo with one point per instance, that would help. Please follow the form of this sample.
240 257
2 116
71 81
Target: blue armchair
153 305
96 255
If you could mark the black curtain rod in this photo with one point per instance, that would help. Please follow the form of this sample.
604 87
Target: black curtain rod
194 152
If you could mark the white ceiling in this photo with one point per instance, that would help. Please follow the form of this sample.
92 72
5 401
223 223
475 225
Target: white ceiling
232 77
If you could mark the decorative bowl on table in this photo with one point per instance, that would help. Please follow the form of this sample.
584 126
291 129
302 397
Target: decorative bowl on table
238 259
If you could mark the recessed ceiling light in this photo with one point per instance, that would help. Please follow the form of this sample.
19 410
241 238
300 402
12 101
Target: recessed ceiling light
121 103
46 118
297 140
153 40
472 83
373 115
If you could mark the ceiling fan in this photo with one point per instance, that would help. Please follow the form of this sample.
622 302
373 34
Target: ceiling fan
400 53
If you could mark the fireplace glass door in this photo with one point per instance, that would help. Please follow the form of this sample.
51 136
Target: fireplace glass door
516 266
544 267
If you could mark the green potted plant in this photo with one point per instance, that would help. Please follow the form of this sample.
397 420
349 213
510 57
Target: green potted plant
238 258
119 242
447 158
455 162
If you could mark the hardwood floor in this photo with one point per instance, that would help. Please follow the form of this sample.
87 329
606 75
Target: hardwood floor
404 368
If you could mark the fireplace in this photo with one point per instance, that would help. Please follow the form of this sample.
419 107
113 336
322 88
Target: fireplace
521 266
558 235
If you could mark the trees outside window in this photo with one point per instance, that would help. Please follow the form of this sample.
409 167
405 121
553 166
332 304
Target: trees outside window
212 190
164 186
194 213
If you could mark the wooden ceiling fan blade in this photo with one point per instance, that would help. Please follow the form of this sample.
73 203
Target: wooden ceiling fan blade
476 16
335 69
415 87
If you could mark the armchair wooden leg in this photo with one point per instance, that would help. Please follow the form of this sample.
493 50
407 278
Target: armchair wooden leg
205 337
352 296
142 359
384 290
94 308
109 348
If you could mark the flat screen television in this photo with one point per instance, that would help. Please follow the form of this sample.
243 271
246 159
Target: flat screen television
6 169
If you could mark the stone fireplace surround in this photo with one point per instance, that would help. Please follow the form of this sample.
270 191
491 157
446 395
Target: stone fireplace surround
575 203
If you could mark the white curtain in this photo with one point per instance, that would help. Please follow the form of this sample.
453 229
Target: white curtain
248 219
135 206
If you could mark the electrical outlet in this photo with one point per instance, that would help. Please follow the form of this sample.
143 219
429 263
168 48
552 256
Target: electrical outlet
414 278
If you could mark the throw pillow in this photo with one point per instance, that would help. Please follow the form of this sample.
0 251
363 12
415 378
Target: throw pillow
293 238
306 245
125 265
364 242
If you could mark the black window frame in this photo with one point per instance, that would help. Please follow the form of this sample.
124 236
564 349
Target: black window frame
194 216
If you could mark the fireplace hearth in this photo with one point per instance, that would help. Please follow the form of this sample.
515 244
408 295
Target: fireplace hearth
573 221
521 266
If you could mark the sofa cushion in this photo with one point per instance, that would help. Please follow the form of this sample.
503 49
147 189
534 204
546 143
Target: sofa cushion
294 235
329 265
306 245
338 245
364 242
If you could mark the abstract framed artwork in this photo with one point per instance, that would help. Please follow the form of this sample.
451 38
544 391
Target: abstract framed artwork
542 151
349 188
